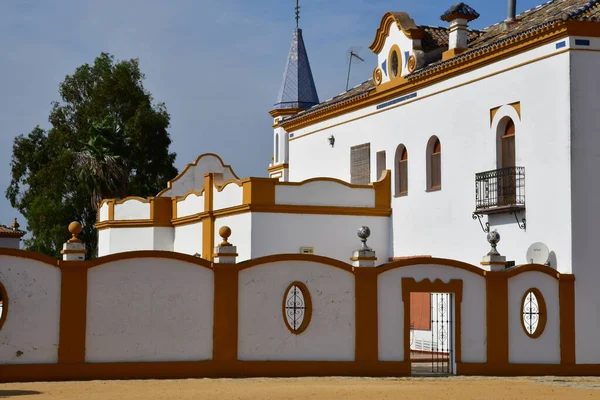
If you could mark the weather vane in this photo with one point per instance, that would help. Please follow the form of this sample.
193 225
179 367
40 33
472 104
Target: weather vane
297 13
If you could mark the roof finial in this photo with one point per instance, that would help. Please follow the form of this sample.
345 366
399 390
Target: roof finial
297 13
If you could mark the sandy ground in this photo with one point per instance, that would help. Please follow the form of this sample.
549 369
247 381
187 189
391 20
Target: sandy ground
466 388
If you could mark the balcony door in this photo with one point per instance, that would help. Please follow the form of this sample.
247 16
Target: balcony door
507 184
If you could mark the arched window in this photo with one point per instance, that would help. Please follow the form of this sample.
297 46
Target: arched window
401 170
277 147
3 305
434 164
506 159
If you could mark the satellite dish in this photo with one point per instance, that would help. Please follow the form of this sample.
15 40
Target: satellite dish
538 253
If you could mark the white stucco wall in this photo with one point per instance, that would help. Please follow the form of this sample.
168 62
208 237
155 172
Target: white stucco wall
104 242
132 209
241 231
192 204
104 212
263 334
391 310
229 196
193 178
149 309
164 238
131 239
10 243
188 238
460 117
330 235
30 332
585 151
523 349
324 193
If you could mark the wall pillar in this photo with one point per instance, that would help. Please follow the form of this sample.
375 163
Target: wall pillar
367 336
225 326
497 318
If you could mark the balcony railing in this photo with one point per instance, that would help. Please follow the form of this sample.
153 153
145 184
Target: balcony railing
500 189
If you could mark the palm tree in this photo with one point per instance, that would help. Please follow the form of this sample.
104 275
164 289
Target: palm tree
98 165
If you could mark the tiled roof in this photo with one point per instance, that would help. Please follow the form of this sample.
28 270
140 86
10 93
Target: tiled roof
298 86
479 41
8 231
531 20
436 36
459 9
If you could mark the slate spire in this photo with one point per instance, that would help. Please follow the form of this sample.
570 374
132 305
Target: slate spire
298 87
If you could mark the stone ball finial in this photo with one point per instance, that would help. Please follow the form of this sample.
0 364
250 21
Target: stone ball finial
363 233
225 232
493 239
75 229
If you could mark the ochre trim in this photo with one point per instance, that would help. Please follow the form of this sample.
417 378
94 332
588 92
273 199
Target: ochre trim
395 48
307 307
366 316
454 287
494 111
208 223
31 255
400 87
5 305
195 163
496 313
201 369
517 107
225 325
258 191
12 235
227 183
325 179
566 296
284 112
542 313
161 211
279 167
383 190
171 255
404 23
294 257
72 251
544 269
125 223
73 312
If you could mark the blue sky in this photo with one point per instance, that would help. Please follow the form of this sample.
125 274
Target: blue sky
217 64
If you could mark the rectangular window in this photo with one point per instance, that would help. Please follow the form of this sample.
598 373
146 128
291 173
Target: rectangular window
436 171
380 164
360 164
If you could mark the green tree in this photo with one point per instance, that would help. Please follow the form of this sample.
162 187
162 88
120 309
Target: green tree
107 140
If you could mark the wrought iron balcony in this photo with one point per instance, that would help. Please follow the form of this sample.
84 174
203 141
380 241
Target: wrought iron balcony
500 190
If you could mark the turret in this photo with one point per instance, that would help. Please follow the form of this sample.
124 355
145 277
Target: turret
297 93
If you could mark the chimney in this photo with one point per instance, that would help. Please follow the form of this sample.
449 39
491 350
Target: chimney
459 15
512 11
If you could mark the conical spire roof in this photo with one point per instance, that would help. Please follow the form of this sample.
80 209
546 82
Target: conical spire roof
298 87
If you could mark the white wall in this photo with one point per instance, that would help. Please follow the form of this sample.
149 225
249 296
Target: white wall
241 231
30 332
585 151
391 310
192 204
461 119
10 243
188 238
396 37
324 193
193 178
103 212
229 196
118 240
104 242
263 334
330 235
149 309
523 349
132 209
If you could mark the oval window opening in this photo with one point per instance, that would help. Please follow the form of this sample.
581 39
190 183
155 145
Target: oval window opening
297 308
394 64
533 309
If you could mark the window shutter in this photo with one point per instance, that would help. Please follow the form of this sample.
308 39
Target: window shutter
360 164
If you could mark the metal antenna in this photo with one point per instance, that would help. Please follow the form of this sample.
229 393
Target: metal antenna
353 52
297 13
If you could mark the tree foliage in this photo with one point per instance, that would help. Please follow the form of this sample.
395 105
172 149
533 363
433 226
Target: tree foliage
107 140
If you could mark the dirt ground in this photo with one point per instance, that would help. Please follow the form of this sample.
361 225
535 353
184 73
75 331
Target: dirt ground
547 388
